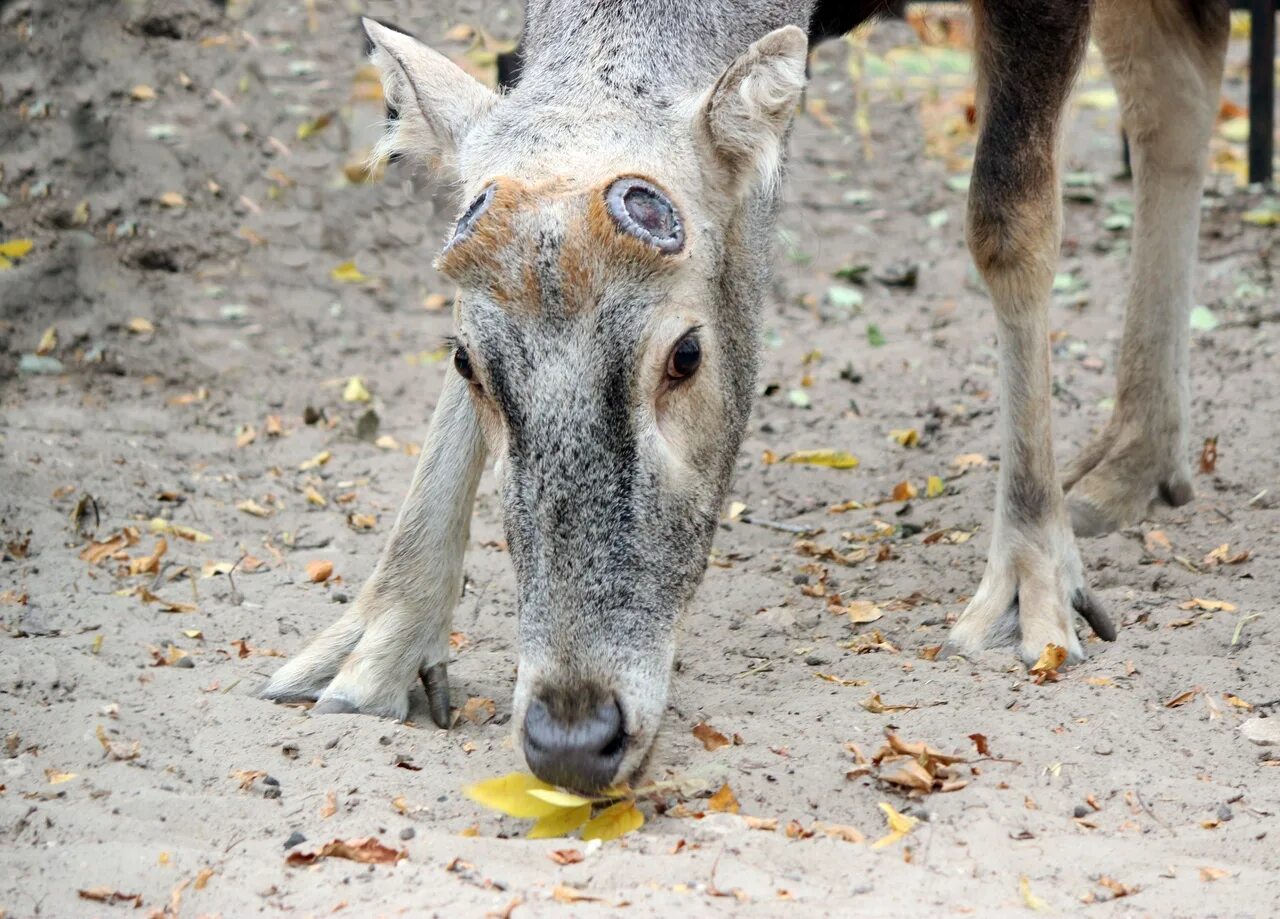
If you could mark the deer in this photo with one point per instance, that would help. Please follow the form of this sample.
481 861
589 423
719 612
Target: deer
612 253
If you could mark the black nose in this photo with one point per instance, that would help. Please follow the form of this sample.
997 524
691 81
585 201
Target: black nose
583 752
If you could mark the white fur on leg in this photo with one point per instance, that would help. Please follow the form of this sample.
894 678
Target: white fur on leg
400 623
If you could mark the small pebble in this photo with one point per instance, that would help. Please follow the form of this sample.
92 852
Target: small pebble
295 839
1102 751
814 660
384 740
271 791
1224 813
271 780
331 744
340 596
1081 811
290 750
184 663
407 833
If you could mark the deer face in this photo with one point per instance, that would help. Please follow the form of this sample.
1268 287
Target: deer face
603 325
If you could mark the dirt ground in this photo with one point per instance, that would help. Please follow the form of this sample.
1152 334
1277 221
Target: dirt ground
188 210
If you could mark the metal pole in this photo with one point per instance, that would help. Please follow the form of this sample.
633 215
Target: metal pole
1262 89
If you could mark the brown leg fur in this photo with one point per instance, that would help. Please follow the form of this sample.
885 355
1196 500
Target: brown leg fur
1165 57
1028 54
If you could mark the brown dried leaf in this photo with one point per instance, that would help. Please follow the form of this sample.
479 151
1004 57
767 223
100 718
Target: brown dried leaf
1209 456
1183 698
366 850
710 737
980 743
319 570
478 710
877 706
565 856
107 895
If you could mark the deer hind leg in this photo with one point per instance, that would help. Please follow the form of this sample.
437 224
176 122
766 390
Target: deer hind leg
398 628
1165 57
1028 54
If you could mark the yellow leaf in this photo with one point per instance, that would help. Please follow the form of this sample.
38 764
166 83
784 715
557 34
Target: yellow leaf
934 487
1051 658
834 459
1262 216
904 491
315 126
1211 606
202 878
160 525
557 798
1032 901
356 391
318 460
1235 130
97 644
1098 99
140 326
899 826
57 778
173 199
560 823
906 437
314 497
510 795
193 633
16 248
723 801
250 506
142 93
614 821
48 341
348 273
1237 702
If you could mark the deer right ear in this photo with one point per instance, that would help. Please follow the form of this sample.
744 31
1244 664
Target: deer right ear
744 118
434 102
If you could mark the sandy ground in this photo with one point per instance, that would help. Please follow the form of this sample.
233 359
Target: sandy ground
193 334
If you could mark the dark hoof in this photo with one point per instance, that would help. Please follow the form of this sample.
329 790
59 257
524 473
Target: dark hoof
435 679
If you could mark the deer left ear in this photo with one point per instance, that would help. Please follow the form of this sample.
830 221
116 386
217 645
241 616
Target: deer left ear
434 102
744 118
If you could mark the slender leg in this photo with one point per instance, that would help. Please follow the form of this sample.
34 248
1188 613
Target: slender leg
398 627
1165 57
1028 54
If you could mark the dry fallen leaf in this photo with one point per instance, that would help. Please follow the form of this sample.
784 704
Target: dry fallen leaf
348 273
905 437
110 896
1212 606
1214 874
367 850
616 820
330 806
860 611
833 459
980 744
1183 698
1032 901
479 711
904 491
899 826
1209 456
1050 659
565 856
355 391
319 570
877 706
710 737
723 801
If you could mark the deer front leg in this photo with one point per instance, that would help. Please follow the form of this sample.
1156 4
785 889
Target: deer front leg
398 627
1034 582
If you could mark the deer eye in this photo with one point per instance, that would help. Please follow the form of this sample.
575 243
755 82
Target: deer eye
462 364
685 357
643 210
